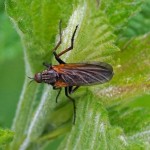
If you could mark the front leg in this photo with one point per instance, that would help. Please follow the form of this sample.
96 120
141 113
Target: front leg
47 65
58 44
72 44
57 56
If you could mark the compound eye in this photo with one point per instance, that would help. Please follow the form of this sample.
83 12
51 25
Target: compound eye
38 77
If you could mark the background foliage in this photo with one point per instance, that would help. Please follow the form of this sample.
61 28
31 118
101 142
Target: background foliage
115 115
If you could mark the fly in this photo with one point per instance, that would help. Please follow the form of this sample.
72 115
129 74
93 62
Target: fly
72 76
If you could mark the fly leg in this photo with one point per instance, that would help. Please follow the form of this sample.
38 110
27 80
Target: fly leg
72 90
60 89
60 37
73 101
47 65
57 56
58 44
72 44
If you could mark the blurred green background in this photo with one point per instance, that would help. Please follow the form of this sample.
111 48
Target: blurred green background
12 71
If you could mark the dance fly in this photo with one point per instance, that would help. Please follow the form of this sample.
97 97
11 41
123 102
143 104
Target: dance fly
73 75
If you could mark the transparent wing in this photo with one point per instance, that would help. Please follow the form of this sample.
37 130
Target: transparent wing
84 74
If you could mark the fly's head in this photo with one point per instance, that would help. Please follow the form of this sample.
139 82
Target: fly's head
48 76
38 77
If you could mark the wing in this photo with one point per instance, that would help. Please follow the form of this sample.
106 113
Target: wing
83 74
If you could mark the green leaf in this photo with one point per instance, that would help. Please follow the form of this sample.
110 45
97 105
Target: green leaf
118 12
6 136
139 24
133 120
94 132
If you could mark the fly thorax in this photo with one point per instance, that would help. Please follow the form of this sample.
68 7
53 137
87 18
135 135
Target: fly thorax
49 76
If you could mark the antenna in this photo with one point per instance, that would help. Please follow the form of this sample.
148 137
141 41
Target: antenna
32 79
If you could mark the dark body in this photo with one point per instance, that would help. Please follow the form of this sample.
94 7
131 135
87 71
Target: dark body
77 74
71 76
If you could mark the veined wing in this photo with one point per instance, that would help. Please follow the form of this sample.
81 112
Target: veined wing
81 74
